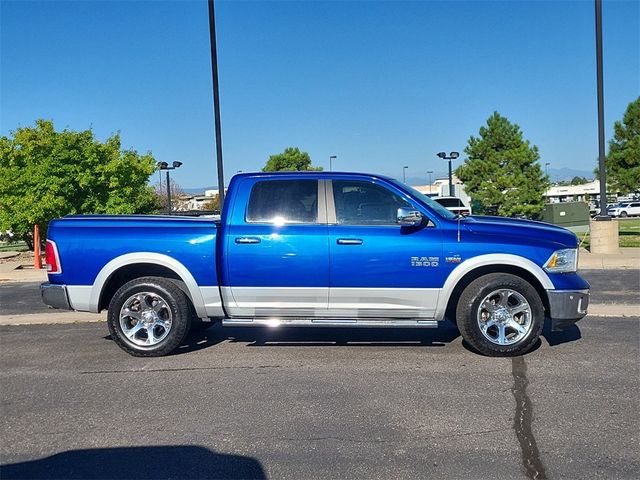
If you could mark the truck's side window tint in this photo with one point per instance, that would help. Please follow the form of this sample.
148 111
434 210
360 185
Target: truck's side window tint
364 203
283 201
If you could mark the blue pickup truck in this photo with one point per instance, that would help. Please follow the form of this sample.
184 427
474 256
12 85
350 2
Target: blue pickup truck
317 249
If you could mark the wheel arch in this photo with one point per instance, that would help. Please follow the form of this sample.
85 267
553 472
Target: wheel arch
134 265
465 273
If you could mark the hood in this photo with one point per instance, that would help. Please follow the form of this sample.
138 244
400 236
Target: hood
514 227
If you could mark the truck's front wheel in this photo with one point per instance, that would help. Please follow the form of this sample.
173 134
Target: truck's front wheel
500 314
149 317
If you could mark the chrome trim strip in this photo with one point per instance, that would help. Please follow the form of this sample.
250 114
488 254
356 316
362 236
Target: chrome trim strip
328 322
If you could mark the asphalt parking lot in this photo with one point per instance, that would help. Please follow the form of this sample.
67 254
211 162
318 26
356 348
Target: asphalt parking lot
320 404
330 403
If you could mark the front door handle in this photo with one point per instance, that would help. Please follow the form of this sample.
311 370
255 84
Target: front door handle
349 241
247 240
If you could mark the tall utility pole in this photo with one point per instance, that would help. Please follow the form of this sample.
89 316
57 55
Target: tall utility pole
404 174
216 101
601 165
430 172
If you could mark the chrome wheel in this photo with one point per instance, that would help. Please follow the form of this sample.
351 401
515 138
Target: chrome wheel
504 317
145 319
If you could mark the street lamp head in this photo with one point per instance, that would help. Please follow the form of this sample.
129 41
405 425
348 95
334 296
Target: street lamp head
442 155
333 157
454 155
162 165
177 164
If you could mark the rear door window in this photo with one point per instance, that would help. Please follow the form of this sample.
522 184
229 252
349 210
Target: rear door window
283 201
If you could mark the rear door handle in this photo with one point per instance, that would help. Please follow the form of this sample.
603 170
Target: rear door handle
247 240
349 241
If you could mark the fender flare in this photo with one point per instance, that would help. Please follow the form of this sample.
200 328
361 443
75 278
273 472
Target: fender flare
493 259
147 257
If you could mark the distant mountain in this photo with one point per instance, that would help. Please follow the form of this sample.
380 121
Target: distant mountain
561 174
556 175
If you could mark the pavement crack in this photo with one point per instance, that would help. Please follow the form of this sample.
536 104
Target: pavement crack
523 419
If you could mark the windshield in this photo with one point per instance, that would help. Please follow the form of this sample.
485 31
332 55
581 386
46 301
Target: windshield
435 206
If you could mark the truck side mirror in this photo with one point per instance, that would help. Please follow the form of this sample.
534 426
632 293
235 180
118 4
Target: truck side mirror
409 217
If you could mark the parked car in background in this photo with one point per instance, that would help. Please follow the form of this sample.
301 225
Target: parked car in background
627 209
454 205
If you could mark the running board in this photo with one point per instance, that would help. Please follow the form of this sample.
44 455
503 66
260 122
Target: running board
329 322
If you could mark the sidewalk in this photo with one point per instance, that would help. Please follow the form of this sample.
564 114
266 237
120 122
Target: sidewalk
17 272
627 258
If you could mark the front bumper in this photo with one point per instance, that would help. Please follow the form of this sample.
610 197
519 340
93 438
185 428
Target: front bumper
55 296
566 307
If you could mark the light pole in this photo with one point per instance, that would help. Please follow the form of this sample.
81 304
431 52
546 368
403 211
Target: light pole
603 215
404 174
216 100
429 172
452 156
331 158
545 168
165 166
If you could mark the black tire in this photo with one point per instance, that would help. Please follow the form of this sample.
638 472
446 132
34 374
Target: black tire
624 214
469 311
175 301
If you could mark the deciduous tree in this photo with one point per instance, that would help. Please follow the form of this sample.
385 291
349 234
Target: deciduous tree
291 160
502 170
46 174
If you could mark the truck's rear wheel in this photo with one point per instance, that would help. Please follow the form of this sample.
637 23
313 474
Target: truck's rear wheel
149 317
500 314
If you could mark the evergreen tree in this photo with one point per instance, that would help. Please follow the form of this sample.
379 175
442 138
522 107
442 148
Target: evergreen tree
623 159
502 171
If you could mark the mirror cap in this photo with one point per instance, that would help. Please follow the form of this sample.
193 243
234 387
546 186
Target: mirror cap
409 217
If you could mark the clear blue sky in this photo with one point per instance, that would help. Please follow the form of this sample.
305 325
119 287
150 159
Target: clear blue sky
379 84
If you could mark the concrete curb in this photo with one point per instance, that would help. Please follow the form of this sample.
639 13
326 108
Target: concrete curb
613 310
52 318
597 310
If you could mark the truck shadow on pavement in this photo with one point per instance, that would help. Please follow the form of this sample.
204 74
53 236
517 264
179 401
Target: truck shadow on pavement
174 462
570 334
315 337
351 337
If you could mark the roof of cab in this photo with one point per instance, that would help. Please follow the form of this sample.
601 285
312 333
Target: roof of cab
311 173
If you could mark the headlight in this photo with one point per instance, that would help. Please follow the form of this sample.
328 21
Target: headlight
562 261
